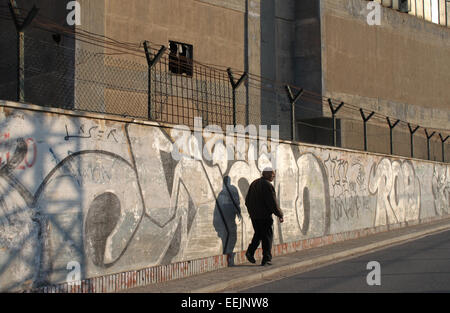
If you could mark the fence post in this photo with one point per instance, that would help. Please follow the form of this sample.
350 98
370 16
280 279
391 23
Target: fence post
234 86
391 129
333 118
443 146
412 138
151 62
428 141
20 28
293 99
365 120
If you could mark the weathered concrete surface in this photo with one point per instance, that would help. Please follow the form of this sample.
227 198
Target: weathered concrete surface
398 69
214 28
110 196
402 62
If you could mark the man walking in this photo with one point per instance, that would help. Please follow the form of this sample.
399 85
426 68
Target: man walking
261 204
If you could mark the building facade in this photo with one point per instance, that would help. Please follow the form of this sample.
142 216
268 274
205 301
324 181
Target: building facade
398 67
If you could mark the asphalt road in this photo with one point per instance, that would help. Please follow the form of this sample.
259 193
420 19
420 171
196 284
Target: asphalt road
422 265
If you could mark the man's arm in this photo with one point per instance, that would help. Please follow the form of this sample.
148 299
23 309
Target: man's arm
271 201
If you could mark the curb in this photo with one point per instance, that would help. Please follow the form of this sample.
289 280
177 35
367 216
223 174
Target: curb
322 260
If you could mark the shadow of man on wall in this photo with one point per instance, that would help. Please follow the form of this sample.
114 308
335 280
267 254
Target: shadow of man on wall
225 213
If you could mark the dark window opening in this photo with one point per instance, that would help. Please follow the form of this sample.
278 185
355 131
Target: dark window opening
180 58
403 6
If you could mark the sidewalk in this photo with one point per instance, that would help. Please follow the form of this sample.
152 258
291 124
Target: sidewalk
233 278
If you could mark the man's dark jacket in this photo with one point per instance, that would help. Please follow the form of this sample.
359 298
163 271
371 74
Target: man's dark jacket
261 200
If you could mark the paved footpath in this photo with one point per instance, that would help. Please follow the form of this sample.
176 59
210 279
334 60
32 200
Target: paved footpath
243 276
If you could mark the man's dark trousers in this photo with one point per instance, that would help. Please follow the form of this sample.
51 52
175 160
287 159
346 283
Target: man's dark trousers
264 233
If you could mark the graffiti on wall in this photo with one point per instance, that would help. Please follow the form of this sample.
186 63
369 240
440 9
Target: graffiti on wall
114 198
7 149
348 187
85 132
398 191
441 189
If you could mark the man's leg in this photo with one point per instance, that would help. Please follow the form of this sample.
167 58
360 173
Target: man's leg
256 238
267 239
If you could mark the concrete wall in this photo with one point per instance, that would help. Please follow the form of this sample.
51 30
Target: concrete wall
214 28
305 43
290 54
109 195
308 55
400 67
223 33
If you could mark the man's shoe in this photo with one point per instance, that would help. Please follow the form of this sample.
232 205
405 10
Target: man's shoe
250 258
266 263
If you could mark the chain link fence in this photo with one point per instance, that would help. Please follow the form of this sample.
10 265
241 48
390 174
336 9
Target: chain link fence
60 76
176 91
178 98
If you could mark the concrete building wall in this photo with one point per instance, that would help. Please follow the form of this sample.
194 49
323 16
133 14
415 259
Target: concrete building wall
90 62
309 44
110 195
277 36
214 28
225 34
400 68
